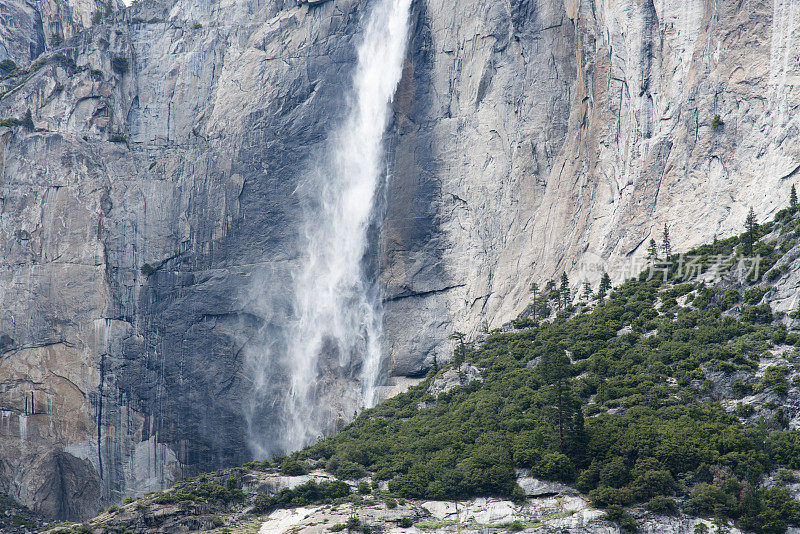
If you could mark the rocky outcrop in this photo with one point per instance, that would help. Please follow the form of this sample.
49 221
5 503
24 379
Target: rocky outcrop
451 378
562 510
28 28
537 487
149 221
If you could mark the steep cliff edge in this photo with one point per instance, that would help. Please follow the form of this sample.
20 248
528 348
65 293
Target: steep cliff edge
148 226
563 135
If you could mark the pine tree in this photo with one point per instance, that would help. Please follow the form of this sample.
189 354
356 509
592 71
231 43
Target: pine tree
605 284
460 353
555 368
552 293
564 289
587 291
666 245
750 229
793 198
652 252
535 289
27 122
577 438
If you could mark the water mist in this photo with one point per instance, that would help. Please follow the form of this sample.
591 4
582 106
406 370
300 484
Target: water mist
336 319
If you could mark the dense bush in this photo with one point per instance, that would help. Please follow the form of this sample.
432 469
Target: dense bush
293 467
7 66
303 495
662 505
207 491
775 379
120 65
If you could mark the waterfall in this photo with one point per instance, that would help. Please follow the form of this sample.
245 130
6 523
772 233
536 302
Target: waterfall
337 313
338 310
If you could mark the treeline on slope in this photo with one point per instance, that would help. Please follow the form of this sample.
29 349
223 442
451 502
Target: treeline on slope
15 517
611 397
204 499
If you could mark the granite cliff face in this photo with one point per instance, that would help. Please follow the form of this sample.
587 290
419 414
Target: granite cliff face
149 222
552 136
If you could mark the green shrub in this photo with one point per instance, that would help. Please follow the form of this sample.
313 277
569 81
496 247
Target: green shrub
604 496
652 483
518 495
303 495
345 470
294 467
740 389
7 66
775 379
706 499
65 60
729 300
614 474
761 313
662 505
785 476
618 514
754 295
556 466
120 65
27 121
175 496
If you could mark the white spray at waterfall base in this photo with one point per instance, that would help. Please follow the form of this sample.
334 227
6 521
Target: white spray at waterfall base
337 309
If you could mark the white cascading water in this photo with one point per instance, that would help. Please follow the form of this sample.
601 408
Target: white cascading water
337 311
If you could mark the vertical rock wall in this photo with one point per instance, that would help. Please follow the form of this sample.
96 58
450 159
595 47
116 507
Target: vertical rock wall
148 231
562 136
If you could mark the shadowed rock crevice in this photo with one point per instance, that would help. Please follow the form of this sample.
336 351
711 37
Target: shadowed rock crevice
412 238
71 490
